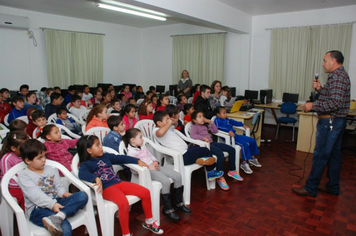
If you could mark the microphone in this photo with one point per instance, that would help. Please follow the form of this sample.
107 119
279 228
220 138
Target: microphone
316 77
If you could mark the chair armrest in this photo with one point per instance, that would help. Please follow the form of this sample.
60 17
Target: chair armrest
190 140
247 131
143 173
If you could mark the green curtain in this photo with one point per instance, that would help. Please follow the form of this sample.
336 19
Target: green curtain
73 58
296 54
202 55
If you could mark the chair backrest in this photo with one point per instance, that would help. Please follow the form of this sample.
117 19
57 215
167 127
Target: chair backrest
65 130
171 99
288 108
68 106
24 118
73 117
139 101
3 133
146 127
188 128
6 120
256 123
110 109
190 100
181 116
100 132
3 127
52 118
83 116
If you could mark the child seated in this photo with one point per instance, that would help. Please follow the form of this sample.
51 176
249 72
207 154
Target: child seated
32 101
87 95
97 117
129 116
132 101
188 111
225 96
173 112
200 130
126 91
154 100
114 137
56 102
96 167
115 104
57 148
6 95
31 126
63 119
139 93
192 154
97 97
133 142
145 110
248 145
39 119
182 100
47 202
196 93
47 99
10 156
57 89
4 107
71 91
106 99
23 90
77 109
162 102
18 110
123 99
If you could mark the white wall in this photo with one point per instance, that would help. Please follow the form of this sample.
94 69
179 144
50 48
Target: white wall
157 55
260 44
22 62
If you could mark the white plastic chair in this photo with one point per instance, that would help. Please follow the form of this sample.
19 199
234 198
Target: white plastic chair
64 129
25 227
146 127
24 118
139 101
107 209
6 217
3 127
190 100
6 120
83 116
99 132
52 119
110 109
3 133
68 106
181 116
154 186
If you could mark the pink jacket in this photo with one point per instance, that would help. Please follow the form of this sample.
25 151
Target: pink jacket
127 122
95 122
59 151
141 153
7 162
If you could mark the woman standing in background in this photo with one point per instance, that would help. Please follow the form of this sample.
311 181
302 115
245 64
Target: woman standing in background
185 84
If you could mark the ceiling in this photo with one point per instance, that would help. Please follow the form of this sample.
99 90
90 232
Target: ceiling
266 7
86 9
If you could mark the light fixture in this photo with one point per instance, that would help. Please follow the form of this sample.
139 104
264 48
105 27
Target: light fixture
137 13
120 4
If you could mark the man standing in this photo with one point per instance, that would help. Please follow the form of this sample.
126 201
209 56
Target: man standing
332 107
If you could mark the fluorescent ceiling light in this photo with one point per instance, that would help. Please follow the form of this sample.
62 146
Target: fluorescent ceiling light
119 9
120 4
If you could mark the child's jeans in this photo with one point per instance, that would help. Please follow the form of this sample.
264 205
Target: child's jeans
195 152
71 205
248 146
218 149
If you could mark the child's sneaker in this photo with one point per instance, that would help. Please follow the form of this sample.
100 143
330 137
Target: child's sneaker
53 225
246 168
205 161
254 162
222 183
235 175
153 227
213 174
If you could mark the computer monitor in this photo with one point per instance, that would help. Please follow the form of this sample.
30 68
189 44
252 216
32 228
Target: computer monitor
251 94
233 91
173 90
266 96
290 97
160 88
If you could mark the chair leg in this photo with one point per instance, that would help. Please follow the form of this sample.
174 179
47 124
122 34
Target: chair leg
277 130
293 132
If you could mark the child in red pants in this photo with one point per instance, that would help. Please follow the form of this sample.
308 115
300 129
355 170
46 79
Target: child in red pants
96 167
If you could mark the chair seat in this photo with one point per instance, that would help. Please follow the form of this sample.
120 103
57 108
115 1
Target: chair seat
285 120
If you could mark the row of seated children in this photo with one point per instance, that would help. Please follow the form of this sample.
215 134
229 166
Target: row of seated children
47 210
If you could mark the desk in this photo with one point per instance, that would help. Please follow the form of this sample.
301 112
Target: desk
247 120
272 106
307 131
